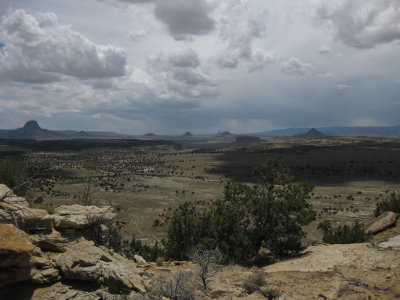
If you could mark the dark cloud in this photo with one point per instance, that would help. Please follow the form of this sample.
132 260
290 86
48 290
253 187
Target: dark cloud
363 23
190 77
1 48
186 59
296 67
122 3
37 49
226 62
185 18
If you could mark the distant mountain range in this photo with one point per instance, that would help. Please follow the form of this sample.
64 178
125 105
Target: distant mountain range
387 131
32 130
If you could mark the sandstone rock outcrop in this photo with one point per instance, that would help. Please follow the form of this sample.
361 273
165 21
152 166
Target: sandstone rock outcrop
78 216
84 261
392 243
21 260
385 220
15 253
16 210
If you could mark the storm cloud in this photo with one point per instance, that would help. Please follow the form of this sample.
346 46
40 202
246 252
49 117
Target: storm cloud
184 18
169 66
37 49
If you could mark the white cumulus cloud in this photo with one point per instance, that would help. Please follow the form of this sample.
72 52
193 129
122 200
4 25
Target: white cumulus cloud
363 23
324 49
294 66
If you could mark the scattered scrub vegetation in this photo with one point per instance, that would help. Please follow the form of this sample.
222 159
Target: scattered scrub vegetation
104 234
14 175
344 234
149 253
391 204
178 286
246 219
254 283
257 283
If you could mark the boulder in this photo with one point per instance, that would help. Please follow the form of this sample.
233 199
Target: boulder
78 216
138 259
83 261
51 246
16 210
53 236
45 276
15 253
385 220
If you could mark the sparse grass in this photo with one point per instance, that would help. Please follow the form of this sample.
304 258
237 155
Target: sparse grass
254 283
141 180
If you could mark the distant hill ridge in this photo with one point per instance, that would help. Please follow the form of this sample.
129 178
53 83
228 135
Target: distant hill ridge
32 130
312 133
386 131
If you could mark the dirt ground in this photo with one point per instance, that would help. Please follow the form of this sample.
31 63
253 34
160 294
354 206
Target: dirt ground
145 182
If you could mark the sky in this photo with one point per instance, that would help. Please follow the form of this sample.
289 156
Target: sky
171 66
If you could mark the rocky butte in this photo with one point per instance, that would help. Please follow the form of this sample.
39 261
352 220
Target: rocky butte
312 133
31 130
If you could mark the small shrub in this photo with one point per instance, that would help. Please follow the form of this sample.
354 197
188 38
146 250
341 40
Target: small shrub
208 261
160 261
344 234
179 286
254 283
271 294
103 234
391 204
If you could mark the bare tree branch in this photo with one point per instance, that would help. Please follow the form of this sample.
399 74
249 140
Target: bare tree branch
209 263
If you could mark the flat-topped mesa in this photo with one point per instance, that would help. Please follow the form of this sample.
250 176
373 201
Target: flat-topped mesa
32 125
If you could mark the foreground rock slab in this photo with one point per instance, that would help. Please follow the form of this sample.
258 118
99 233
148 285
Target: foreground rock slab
83 261
15 254
392 243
